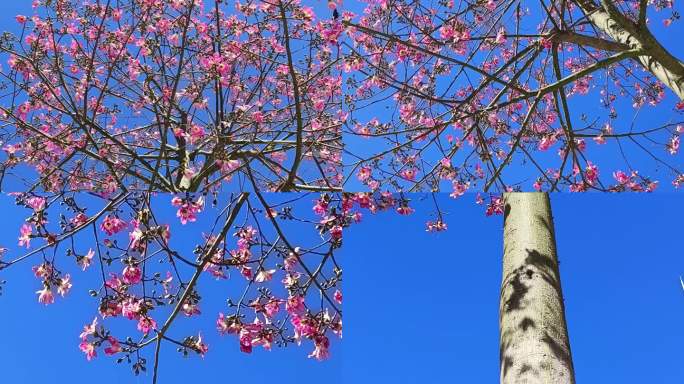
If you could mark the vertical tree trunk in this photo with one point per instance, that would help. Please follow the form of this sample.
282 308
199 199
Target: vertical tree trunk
534 345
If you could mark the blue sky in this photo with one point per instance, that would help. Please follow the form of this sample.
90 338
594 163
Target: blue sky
423 307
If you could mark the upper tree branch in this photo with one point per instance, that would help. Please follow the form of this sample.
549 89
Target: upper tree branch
652 55
287 185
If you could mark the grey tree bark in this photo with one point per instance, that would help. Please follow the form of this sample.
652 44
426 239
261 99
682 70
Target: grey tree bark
654 57
534 345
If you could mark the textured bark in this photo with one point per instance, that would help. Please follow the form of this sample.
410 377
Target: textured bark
534 345
655 58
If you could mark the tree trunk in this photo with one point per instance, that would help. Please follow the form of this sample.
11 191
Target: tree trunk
655 58
534 345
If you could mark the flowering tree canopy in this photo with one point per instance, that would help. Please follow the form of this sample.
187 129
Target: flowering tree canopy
171 96
283 252
500 95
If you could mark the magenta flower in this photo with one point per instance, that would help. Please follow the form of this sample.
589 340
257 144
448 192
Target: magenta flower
201 347
146 324
88 330
25 235
131 275
86 260
112 224
321 351
45 296
65 285
88 349
114 346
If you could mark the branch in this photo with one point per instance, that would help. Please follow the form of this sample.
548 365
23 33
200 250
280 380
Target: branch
191 284
594 42
287 185
652 55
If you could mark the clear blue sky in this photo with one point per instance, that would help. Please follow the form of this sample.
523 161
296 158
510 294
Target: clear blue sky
423 308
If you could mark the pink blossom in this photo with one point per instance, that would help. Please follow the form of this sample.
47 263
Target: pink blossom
246 272
245 342
114 346
264 275
272 307
673 145
338 296
303 326
187 209
43 270
600 140
228 166
226 325
45 296
25 235
112 224
408 174
495 206
21 19
131 275
295 305
79 220
330 32
501 36
591 173
88 349
87 259
253 335
321 351
537 185
89 329
146 324
131 308
113 282
364 173
36 202
459 188
65 285
436 226
190 309
336 232
621 177
678 181
110 308
201 347
546 142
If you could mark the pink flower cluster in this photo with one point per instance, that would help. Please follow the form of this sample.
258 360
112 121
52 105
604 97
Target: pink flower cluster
91 337
188 208
112 225
51 278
